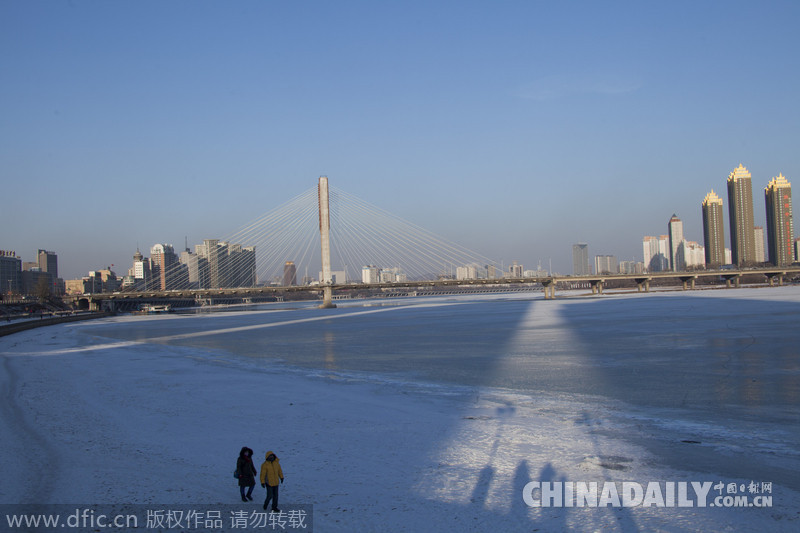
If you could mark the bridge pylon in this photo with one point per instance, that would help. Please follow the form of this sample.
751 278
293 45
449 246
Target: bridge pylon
325 243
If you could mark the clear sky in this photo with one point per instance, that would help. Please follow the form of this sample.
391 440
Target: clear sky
512 128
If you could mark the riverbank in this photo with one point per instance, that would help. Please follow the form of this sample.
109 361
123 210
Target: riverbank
51 319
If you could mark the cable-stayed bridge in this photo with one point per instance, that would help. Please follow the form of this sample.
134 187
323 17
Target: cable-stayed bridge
360 235
332 240
322 238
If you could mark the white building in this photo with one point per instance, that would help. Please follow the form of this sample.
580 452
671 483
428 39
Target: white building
337 277
466 272
694 254
656 253
370 274
631 267
539 273
606 264
393 275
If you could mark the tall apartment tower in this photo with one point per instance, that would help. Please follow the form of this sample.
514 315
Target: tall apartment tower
580 259
780 226
761 257
713 230
677 261
197 269
240 266
740 208
163 259
216 253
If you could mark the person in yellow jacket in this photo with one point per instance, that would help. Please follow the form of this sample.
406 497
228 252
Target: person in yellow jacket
271 478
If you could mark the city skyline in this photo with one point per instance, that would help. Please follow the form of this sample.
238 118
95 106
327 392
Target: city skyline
127 124
669 252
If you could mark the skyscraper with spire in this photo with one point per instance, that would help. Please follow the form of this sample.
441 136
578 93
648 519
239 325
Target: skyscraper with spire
740 208
780 226
713 230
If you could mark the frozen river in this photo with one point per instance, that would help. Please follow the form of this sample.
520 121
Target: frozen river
717 354
713 367
421 414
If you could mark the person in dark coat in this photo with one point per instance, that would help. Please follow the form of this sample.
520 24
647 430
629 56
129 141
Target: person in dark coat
247 473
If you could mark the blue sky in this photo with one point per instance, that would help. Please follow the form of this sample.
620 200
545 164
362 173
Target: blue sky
513 128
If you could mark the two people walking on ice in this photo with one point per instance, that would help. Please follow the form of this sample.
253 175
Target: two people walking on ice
271 476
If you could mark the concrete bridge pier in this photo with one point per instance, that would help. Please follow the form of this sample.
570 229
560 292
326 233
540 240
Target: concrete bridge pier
771 278
643 284
597 286
327 298
687 281
732 280
549 290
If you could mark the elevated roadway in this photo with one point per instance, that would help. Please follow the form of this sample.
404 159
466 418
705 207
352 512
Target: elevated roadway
111 301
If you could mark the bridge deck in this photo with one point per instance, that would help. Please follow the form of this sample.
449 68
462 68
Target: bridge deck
546 281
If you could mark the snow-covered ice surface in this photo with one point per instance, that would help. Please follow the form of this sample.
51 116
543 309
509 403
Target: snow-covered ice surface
420 414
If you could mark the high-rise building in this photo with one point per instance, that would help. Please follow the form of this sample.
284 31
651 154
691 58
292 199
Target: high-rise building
164 262
289 274
631 267
780 226
677 261
197 270
797 250
580 259
10 273
396 275
241 266
142 273
337 277
370 274
467 272
228 265
515 270
693 254
758 236
656 253
48 262
216 254
740 209
606 264
247 267
713 230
